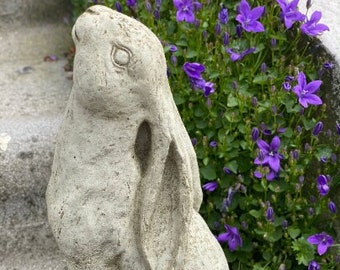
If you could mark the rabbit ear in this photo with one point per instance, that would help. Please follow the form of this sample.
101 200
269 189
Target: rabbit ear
165 208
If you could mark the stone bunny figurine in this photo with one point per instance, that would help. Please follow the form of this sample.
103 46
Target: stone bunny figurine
125 190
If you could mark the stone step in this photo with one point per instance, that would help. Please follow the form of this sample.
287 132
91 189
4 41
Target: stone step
33 96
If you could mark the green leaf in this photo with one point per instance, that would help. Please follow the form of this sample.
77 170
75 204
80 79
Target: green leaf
178 99
294 232
232 165
232 101
304 251
208 172
268 255
278 186
260 79
201 124
255 213
288 133
182 43
308 124
191 54
274 236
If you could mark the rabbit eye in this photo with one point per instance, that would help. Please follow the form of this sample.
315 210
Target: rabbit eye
120 56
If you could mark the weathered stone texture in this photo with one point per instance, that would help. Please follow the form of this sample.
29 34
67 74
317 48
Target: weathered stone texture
125 190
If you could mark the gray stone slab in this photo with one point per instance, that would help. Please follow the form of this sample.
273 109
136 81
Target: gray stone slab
32 104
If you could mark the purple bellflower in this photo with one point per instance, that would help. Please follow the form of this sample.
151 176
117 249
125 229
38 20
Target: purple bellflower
317 128
269 154
323 185
118 6
255 133
193 70
290 13
208 89
210 186
313 265
234 56
131 3
322 240
185 10
223 16
332 207
232 236
270 214
337 126
305 92
312 27
248 17
266 171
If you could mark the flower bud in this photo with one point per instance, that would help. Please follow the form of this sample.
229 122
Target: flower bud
317 129
255 134
225 39
217 29
332 207
273 42
270 214
118 6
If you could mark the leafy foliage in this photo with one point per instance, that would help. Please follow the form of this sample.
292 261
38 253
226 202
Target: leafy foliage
256 97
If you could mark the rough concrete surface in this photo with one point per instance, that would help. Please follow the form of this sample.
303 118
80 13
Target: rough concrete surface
33 96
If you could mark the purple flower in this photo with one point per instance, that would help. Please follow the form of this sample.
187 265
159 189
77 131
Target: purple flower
248 17
255 134
227 170
210 186
158 3
323 185
270 214
332 207
273 42
227 200
217 29
156 14
118 6
268 172
232 236
173 59
193 70
317 129
225 38
239 56
185 10
269 154
131 3
213 144
313 265
305 92
290 13
194 141
337 125
328 65
239 30
223 16
148 6
312 27
322 240
286 86
173 48
208 89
